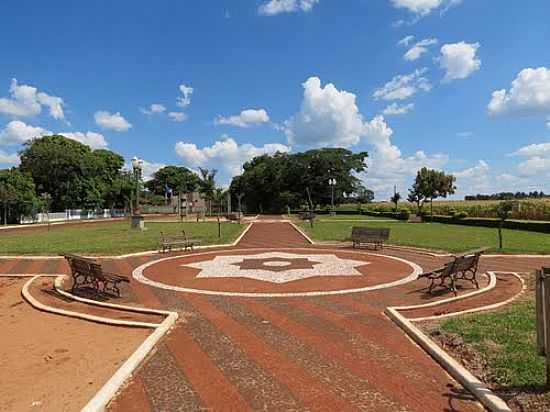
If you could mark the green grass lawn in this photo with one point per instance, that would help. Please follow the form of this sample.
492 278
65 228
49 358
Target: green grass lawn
507 340
114 238
436 236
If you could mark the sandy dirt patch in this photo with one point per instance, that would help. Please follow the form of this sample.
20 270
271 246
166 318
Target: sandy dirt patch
55 363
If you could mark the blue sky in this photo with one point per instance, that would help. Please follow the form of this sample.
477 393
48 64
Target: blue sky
462 86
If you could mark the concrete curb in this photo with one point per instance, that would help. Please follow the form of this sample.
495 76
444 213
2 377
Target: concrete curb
58 285
109 390
478 309
300 231
491 285
77 315
491 401
455 369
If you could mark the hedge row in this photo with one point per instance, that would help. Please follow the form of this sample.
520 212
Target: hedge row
531 226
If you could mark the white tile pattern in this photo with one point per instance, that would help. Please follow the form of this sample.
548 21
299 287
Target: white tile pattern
322 265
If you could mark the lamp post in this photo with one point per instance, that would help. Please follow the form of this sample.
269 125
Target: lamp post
332 183
137 219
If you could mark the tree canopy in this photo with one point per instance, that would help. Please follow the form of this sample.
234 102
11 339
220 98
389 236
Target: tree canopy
17 195
72 173
430 184
176 178
274 182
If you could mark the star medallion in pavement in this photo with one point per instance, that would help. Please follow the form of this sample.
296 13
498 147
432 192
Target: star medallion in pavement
277 267
276 264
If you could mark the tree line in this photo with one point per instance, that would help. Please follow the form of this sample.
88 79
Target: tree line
507 196
274 183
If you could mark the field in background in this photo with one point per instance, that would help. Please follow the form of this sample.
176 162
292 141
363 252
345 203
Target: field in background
108 238
527 209
436 236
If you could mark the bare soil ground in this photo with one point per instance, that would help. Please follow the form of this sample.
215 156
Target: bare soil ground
55 363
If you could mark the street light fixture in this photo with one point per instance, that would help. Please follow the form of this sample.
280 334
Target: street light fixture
137 219
332 184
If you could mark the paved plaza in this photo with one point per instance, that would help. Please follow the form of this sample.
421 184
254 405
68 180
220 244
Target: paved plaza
275 323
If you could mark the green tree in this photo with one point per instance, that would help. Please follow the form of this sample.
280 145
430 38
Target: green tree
178 179
275 182
395 200
207 185
17 195
503 210
430 184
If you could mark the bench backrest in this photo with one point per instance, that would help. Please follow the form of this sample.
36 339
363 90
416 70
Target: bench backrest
170 238
379 233
80 264
463 263
414 218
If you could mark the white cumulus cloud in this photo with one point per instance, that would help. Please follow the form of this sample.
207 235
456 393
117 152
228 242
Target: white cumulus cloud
459 60
9 159
395 109
274 7
226 154
26 101
18 132
177 116
528 96
404 86
111 121
424 7
247 118
185 99
421 47
154 108
328 117
92 139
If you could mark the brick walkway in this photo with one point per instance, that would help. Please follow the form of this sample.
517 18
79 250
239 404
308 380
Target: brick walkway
321 353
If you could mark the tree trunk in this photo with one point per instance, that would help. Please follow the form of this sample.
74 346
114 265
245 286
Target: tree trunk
500 235
5 213
431 209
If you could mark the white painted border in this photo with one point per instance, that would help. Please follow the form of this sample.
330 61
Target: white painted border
461 374
454 368
481 308
140 277
108 391
78 315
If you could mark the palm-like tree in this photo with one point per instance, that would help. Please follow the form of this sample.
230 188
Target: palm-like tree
7 194
395 199
207 185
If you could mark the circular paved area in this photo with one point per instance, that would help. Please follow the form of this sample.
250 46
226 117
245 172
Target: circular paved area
329 352
277 273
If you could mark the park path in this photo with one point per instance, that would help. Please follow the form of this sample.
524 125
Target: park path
323 353
301 354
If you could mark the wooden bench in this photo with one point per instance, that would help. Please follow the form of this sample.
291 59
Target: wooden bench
464 266
90 273
307 216
369 235
168 243
414 218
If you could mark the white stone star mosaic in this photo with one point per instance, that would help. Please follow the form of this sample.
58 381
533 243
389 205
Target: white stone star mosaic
272 266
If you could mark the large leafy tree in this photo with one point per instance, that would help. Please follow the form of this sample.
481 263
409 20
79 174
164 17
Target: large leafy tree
178 179
430 184
17 195
74 175
274 182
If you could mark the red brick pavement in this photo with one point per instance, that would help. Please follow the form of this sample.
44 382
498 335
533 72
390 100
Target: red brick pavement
323 353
